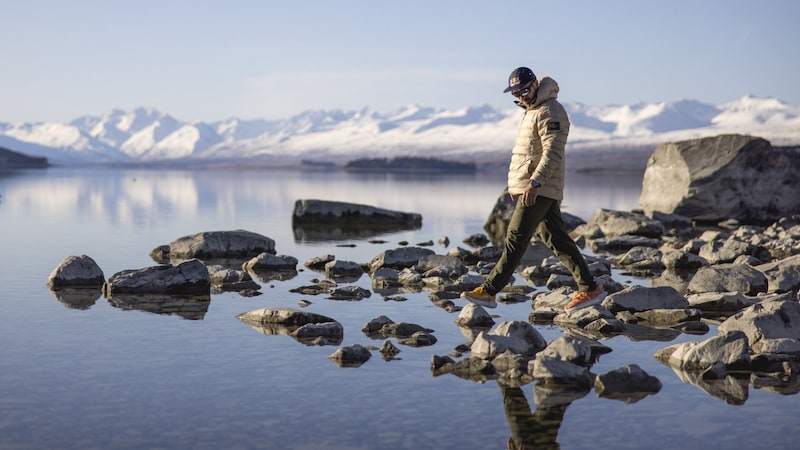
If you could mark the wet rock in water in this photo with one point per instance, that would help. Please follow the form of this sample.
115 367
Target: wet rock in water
351 356
349 293
640 298
728 278
628 383
374 326
441 266
284 316
338 269
389 350
319 262
267 261
250 292
584 316
418 339
224 280
549 370
383 327
385 277
76 272
327 333
571 349
474 316
187 278
305 327
472 368
236 244
399 258
319 220
314 289
516 336
731 349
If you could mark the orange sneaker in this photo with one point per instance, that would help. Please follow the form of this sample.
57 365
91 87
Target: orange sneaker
479 296
584 299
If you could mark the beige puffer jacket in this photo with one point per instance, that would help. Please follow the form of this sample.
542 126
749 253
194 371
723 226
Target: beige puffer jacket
538 152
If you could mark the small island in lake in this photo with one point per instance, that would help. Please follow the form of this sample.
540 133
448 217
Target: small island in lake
409 164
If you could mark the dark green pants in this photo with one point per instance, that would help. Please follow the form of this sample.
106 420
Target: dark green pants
544 218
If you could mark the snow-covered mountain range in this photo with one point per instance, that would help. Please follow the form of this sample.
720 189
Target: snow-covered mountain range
147 135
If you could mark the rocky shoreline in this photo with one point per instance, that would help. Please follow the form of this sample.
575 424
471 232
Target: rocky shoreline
742 278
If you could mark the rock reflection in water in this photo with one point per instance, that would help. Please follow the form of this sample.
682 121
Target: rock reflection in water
188 307
77 298
302 334
326 232
730 389
266 276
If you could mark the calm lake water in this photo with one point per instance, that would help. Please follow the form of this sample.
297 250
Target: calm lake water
103 377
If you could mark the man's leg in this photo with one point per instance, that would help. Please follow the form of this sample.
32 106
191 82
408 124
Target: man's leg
521 226
552 231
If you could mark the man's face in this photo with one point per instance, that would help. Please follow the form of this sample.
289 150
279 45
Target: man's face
526 94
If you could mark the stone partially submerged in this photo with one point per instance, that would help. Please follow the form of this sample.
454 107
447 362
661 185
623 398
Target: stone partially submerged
722 177
305 327
76 272
211 245
187 278
320 220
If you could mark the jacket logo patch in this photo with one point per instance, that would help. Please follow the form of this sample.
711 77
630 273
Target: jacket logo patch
553 126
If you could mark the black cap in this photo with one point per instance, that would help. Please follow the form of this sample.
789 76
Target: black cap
521 76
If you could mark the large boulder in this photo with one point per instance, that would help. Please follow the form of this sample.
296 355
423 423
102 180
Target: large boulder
722 177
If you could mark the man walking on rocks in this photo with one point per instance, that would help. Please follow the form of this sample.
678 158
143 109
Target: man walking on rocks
536 183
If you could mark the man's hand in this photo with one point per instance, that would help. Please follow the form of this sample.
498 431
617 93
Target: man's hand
529 196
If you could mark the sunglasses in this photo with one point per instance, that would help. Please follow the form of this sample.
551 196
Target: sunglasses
521 93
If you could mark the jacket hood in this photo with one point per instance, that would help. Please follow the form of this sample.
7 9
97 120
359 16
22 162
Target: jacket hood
548 90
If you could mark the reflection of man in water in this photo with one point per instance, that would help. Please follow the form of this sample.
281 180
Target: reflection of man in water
537 430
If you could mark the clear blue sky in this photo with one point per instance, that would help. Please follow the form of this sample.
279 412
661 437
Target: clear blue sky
210 60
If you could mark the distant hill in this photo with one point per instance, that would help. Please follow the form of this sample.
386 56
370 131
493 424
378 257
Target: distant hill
469 134
408 164
13 160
